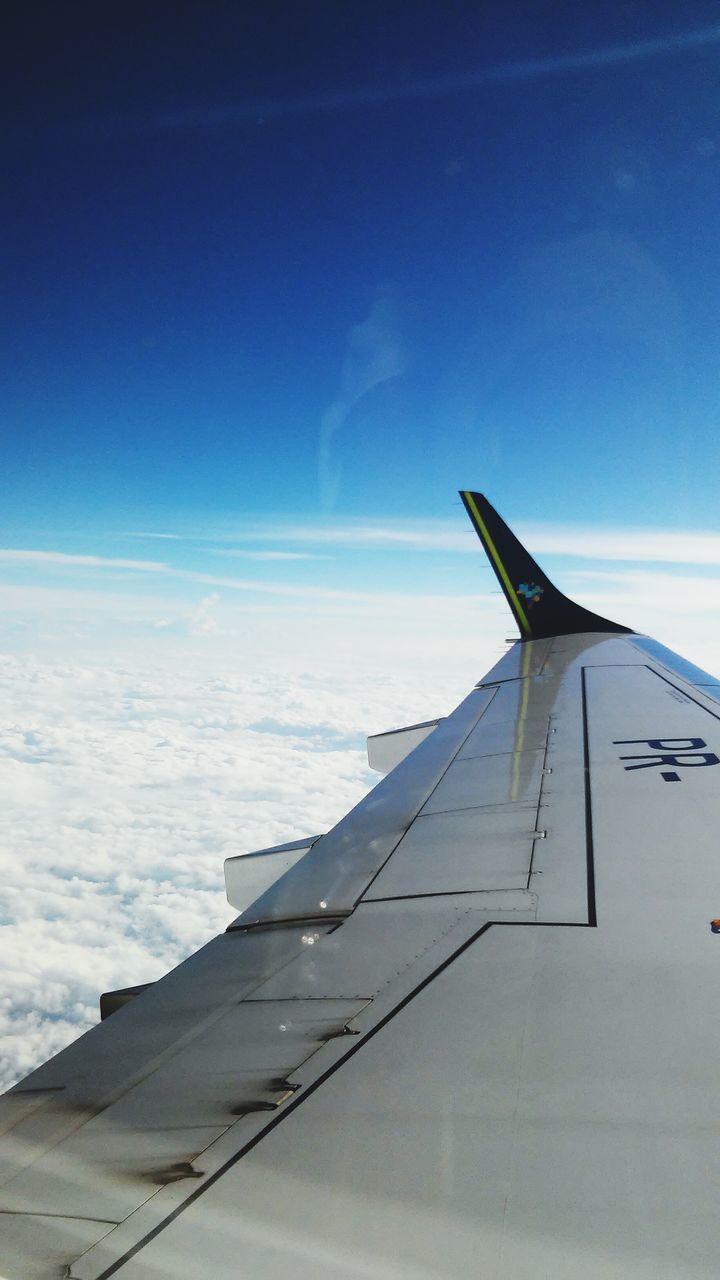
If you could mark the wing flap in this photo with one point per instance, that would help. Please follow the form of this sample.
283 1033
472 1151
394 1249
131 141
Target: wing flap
386 750
463 851
248 875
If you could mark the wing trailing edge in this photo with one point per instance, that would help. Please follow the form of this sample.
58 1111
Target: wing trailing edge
540 610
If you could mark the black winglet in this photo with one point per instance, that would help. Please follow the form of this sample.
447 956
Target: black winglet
539 609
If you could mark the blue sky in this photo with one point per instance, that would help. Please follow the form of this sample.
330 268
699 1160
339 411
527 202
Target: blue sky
295 265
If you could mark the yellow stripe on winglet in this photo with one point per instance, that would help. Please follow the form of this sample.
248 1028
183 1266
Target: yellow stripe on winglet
492 552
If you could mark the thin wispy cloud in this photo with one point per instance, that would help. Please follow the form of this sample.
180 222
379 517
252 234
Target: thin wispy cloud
244 554
665 589
641 546
60 559
78 561
309 592
374 354
260 111
381 535
144 533
651 545
297 590
645 545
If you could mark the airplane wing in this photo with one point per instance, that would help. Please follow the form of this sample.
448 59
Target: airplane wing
472 1030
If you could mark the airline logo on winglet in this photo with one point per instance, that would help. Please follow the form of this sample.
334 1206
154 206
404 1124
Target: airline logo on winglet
531 593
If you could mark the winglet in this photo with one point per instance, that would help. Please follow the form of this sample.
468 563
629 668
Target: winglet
539 609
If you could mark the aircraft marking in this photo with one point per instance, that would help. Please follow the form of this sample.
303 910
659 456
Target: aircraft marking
679 752
531 592
492 551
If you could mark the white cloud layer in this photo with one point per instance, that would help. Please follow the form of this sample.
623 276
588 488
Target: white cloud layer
122 789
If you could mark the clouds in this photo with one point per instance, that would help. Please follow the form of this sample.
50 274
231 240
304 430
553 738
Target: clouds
198 621
589 542
247 554
374 354
634 545
203 621
392 590
256 112
64 559
122 789
371 566
637 545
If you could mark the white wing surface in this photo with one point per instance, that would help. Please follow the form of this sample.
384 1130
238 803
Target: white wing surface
472 1031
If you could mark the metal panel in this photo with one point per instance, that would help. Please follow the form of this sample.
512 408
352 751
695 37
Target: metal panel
521 661
561 864
673 664
333 875
315 1198
376 944
639 707
92 1073
39 1246
673 661
502 736
513 778
503 797
470 849
384 949
157 1130
386 750
539 1109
